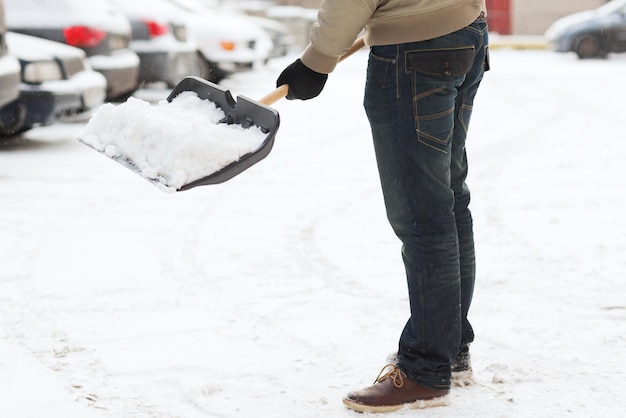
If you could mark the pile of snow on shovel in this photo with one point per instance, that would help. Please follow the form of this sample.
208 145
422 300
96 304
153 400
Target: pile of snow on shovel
173 142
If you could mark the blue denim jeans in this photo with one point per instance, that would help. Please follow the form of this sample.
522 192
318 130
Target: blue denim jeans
418 99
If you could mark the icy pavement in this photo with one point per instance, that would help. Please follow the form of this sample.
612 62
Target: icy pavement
277 292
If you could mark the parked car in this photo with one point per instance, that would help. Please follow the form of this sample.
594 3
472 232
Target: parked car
256 11
282 39
165 51
57 84
592 33
93 26
9 77
228 42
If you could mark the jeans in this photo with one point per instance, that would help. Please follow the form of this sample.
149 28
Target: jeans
418 99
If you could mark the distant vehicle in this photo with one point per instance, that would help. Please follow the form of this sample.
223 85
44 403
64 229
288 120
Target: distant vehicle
57 84
227 41
279 32
282 40
9 77
592 33
91 25
161 41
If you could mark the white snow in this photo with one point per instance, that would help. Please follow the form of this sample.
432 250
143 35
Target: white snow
277 292
173 143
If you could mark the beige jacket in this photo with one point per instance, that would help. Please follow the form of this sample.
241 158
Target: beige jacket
385 22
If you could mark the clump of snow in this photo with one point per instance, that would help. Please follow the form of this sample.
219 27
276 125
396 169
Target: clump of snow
172 143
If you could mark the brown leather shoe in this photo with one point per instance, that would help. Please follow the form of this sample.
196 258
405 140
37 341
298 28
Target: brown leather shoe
393 391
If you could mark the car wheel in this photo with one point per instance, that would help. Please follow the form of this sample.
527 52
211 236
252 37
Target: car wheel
210 71
12 119
589 46
201 67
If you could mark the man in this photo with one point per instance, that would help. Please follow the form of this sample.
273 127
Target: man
427 58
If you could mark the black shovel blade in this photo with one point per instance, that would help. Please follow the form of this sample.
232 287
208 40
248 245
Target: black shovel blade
244 112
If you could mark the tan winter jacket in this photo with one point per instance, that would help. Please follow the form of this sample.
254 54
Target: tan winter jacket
385 22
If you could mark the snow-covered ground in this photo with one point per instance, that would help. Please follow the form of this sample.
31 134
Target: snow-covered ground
277 292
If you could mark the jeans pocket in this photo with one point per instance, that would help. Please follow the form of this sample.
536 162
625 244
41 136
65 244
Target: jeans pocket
436 75
443 63
381 64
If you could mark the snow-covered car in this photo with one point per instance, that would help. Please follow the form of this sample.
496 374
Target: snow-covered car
165 50
228 41
592 33
279 33
91 25
57 84
256 11
9 75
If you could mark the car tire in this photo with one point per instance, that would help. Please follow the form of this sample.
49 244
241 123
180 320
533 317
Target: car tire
12 119
202 68
209 70
589 46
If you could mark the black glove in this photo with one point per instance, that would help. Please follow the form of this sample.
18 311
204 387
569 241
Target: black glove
304 83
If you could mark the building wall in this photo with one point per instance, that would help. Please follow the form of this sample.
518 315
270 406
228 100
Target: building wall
527 17
302 3
532 17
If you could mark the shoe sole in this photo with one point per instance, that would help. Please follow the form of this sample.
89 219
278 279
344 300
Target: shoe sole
420 404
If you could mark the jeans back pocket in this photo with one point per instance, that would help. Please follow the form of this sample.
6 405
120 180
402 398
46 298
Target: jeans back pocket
435 76
441 63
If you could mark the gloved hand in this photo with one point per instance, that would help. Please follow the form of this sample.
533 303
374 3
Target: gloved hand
303 82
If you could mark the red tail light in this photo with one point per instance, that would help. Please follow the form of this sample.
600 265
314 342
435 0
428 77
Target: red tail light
156 28
83 36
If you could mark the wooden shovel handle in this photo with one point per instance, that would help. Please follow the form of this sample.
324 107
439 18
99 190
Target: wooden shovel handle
274 96
281 92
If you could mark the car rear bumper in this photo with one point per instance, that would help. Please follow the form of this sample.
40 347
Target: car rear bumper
59 100
167 66
121 70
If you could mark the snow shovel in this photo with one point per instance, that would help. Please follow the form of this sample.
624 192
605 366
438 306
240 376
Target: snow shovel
241 111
